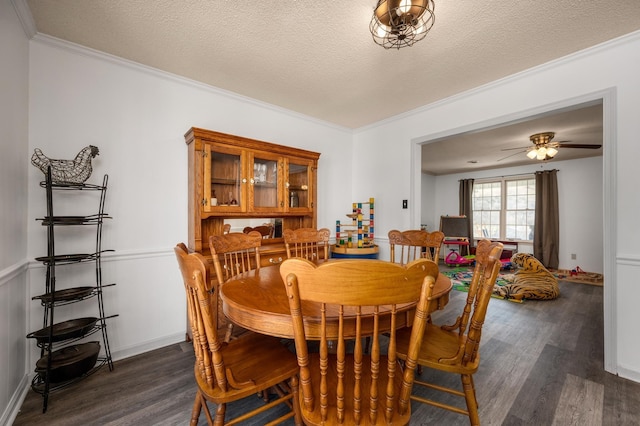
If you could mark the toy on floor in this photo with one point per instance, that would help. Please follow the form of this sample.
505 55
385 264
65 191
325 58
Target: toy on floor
576 271
530 281
453 258
505 264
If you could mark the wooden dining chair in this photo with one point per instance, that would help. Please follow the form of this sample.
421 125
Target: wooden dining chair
265 230
233 254
226 228
455 348
227 372
413 244
309 243
434 243
351 387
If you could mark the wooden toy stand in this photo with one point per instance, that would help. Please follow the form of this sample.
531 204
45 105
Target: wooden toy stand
358 241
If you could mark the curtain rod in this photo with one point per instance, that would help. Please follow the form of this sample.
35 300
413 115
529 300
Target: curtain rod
519 174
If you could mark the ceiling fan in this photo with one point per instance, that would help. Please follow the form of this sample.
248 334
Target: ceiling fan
544 148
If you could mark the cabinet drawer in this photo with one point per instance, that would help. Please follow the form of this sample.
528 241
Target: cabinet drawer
272 254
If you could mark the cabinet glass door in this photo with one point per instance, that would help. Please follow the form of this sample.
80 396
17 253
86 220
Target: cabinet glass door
223 181
299 185
266 182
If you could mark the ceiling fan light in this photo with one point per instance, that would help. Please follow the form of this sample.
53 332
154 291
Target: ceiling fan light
532 154
542 153
551 152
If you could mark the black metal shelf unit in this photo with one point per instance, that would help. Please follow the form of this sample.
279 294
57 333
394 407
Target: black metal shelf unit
63 360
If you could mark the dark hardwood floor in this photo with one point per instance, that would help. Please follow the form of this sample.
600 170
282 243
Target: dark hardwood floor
542 364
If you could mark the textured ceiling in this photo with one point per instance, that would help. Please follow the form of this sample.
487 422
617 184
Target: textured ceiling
318 57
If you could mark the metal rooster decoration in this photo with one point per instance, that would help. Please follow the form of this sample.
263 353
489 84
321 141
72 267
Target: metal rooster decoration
77 170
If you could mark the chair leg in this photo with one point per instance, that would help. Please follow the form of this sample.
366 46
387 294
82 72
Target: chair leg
229 334
473 385
297 417
470 398
221 410
195 411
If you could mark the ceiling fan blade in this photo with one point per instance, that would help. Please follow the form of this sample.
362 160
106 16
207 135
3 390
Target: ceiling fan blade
580 145
511 149
509 156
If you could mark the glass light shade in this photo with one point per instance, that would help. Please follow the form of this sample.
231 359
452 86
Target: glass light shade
404 6
551 152
532 154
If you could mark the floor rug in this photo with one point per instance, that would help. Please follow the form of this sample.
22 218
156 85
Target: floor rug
579 276
461 278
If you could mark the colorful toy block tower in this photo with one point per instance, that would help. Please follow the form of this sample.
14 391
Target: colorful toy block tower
356 239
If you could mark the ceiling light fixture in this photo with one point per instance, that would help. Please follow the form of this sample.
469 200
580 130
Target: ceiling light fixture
543 150
401 23
542 153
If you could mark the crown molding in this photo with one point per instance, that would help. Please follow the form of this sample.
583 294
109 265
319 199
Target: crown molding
25 17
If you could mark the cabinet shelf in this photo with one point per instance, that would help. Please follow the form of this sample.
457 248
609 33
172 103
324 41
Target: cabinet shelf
218 181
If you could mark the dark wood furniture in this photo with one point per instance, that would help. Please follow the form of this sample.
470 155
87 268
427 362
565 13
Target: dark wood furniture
256 300
351 387
248 179
455 348
241 368
266 231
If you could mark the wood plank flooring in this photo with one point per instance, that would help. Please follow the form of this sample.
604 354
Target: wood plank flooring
542 364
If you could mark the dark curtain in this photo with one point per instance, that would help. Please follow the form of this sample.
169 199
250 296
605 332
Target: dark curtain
466 205
546 235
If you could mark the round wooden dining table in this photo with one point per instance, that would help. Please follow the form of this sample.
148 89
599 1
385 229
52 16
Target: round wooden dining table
257 301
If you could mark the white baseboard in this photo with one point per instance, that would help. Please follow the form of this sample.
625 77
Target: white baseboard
629 374
147 346
13 407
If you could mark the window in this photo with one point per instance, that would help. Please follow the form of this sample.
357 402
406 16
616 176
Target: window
504 208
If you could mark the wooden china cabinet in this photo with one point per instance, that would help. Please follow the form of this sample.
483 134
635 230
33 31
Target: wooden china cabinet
232 177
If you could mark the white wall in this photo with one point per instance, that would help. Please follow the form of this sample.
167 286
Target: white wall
609 71
580 204
428 214
138 117
14 71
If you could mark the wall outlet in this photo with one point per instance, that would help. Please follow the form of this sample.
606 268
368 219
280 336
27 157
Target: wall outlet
405 204
573 256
